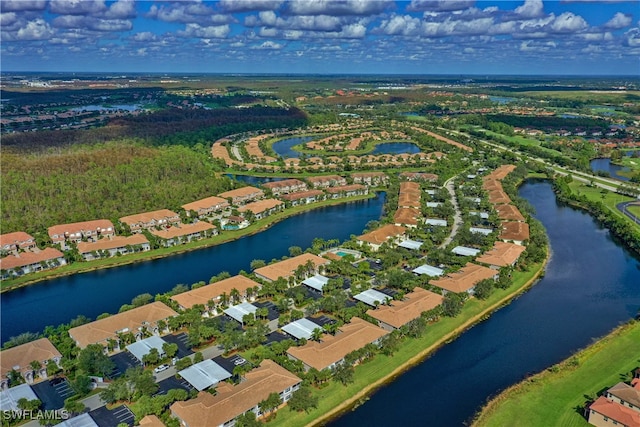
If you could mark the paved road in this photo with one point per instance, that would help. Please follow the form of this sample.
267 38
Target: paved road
236 152
457 217
622 207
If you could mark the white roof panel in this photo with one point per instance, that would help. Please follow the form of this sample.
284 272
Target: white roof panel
428 270
464 251
410 244
435 221
204 374
316 282
237 312
370 296
82 420
9 397
433 204
302 328
141 348
483 215
478 230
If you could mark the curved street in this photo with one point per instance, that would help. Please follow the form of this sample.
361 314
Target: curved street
457 217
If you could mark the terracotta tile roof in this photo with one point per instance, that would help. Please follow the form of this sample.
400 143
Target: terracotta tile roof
502 254
24 354
382 234
101 225
206 293
501 172
509 212
149 216
409 187
345 188
241 192
361 175
230 401
15 238
333 348
326 179
284 183
207 203
301 195
465 278
615 411
183 230
411 307
28 258
498 196
260 206
514 231
151 421
287 268
491 185
100 330
111 243
408 216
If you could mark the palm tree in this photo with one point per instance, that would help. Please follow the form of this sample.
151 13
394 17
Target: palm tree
316 335
234 295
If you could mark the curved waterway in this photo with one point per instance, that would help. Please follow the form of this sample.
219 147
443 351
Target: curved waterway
57 301
604 164
591 285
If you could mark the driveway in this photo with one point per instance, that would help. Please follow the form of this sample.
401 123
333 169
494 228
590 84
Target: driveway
111 418
181 340
52 393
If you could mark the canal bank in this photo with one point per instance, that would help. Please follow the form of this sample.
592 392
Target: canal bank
588 273
226 237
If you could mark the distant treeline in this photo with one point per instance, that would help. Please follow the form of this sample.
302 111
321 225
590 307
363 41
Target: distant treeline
535 122
170 126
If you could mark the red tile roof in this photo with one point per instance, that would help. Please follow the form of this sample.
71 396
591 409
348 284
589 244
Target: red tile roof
617 412
28 258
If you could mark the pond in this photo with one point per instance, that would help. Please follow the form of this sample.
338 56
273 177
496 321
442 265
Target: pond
283 147
604 164
396 148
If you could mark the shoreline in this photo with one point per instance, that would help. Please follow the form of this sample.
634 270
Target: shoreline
181 250
363 394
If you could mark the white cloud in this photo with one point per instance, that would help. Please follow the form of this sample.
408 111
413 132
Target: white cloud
568 23
268 45
22 5
210 32
37 29
268 32
337 7
189 13
440 5
122 9
619 20
530 9
145 36
77 7
405 25
249 5
632 37
7 19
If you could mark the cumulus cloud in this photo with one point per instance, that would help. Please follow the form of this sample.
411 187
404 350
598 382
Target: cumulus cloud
268 45
145 36
188 13
405 25
337 7
122 9
37 29
210 32
439 5
22 5
632 37
8 19
568 23
619 20
77 7
530 9
234 6
91 23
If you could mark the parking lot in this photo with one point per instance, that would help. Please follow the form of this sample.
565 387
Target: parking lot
110 418
53 393
273 311
321 320
276 337
230 363
181 341
173 383
123 361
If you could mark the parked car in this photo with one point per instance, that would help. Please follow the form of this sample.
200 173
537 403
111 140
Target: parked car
161 368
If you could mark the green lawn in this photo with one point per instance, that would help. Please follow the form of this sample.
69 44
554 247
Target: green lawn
634 209
555 397
374 373
609 198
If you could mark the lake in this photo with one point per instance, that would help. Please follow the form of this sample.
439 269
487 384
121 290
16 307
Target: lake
591 285
396 148
283 147
57 301
604 164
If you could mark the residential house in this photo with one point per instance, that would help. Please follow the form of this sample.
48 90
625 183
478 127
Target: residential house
516 232
326 181
508 213
30 262
287 268
407 217
285 186
230 400
410 194
149 220
262 208
332 349
465 279
207 206
503 254
370 178
625 395
347 191
419 176
497 197
303 197
20 359
604 412
18 240
139 321
398 313
389 233
76 232
242 195
185 233
111 247
210 295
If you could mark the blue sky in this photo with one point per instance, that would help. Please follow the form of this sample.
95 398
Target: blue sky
322 36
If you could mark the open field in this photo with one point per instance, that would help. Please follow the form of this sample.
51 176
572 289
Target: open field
586 95
609 198
555 397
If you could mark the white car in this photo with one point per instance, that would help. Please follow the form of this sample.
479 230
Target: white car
239 361
161 368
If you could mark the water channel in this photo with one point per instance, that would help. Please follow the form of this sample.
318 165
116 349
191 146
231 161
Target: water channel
604 164
57 301
591 285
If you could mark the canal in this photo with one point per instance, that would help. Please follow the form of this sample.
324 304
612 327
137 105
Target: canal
591 285
57 301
